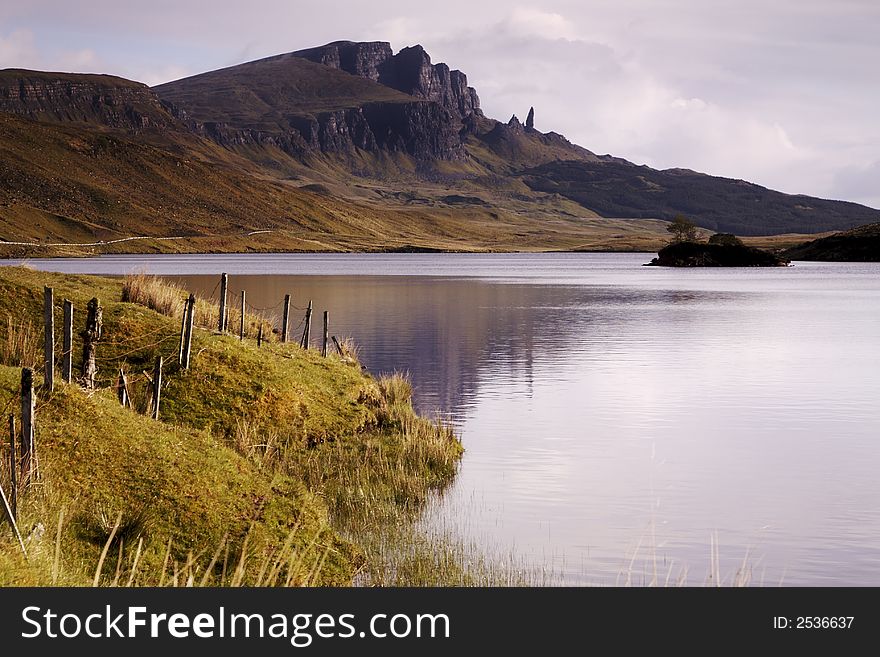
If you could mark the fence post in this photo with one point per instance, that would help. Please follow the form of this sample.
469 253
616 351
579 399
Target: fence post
67 343
157 387
243 306
307 330
122 389
338 347
260 335
187 338
13 475
286 318
94 327
182 331
326 333
12 522
49 338
28 448
224 286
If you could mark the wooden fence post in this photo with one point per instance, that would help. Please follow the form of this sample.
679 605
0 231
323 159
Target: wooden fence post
13 471
28 447
326 333
286 318
224 287
157 387
49 338
307 330
182 331
94 327
67 343
243 306
338 347
187 338
260 335
122 389
8 512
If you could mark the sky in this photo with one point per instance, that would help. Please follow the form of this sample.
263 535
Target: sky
784 93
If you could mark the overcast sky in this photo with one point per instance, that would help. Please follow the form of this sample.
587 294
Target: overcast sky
785 93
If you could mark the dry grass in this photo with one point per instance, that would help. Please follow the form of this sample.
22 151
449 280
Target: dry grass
169 299
22 345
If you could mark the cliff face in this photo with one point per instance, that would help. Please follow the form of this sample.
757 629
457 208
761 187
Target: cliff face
409 71
423 130
103 99
362 59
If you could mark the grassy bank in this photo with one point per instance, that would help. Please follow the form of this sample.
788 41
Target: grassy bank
268 466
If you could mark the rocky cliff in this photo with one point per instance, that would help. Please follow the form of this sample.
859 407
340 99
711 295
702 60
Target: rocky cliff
102 99
409 71
327 102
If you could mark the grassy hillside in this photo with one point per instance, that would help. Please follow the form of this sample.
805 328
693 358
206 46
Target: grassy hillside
78 184
615 189
860 244
261 457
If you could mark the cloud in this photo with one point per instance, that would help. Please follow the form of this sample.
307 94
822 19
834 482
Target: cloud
153 76
859 182
528 21
18 50
612 99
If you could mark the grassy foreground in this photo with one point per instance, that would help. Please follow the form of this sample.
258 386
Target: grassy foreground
270 466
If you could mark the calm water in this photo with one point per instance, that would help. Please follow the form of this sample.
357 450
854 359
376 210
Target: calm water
616 415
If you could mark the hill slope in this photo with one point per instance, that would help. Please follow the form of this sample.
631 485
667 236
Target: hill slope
857 245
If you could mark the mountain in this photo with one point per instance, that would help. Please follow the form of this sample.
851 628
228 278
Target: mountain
344 146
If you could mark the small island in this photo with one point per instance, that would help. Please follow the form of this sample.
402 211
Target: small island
721 250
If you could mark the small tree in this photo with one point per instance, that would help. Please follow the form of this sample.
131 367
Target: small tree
681 229
725 239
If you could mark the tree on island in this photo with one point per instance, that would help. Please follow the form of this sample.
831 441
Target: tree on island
682 229
725 239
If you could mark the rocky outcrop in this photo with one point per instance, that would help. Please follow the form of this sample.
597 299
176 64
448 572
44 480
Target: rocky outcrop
409 71
697 254
100 99
530 119
358 58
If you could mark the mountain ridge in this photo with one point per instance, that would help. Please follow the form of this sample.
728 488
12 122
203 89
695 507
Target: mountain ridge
363 131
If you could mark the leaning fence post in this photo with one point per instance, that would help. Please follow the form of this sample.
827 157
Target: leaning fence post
94 327
307 330
182 331
157 387
286 318
28 448
338 347
243 305
12 522
187 338
49 338
13 475
326 333
67 343
122 389
224 286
